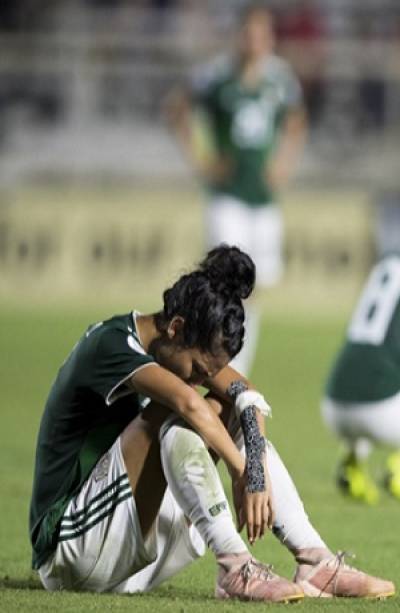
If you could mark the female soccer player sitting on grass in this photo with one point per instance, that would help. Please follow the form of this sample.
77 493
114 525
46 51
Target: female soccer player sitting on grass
126 492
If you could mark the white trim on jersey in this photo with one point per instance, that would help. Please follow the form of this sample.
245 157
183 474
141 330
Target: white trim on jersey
112 396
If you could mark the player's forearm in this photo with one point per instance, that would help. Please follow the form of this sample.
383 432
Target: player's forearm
246 403
290 145
229 385
179 112
220 383
211 168
168 390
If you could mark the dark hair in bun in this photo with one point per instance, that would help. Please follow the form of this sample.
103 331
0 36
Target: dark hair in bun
230 269
209 299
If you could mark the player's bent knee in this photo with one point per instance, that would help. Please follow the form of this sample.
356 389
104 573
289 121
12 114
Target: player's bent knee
178 438
185 456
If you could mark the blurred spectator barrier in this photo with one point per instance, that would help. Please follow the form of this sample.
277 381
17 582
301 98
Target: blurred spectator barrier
123 245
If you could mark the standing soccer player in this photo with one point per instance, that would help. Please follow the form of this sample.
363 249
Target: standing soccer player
126 493
362 402
255 118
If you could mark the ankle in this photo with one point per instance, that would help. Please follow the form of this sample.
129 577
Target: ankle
312 555
227 561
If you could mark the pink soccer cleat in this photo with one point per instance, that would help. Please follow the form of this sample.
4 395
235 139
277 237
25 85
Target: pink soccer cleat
244 578
331 577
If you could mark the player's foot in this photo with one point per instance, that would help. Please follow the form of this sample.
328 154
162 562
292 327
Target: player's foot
353 480
331 577
243 577
392 477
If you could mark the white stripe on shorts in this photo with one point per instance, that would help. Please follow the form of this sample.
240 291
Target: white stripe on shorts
99 507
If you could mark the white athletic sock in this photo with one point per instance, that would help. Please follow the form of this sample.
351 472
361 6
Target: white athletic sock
292 525
194 481
245 358
361 447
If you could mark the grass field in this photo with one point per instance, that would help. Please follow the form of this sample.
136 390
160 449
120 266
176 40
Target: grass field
294 356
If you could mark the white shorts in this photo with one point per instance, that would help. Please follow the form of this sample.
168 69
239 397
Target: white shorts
377 422
101 547
256 230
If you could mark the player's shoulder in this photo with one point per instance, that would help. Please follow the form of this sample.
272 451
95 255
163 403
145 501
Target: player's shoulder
115 334
276 67
390 256
279 73
213 72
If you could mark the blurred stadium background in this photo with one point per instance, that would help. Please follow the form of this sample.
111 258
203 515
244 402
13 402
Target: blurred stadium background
94 192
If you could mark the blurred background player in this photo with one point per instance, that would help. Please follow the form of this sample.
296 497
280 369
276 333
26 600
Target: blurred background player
362 402
252 104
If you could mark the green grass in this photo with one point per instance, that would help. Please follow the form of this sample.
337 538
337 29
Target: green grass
293 359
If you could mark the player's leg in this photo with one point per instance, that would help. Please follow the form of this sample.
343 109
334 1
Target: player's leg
178 545
244 361
191 475
319 572
378 423
267 244
226 222
382 425
352 474
229 220
194 480
195 484
292 525
265 231
107 532
141 454
361 426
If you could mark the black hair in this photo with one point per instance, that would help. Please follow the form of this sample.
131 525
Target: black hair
209 299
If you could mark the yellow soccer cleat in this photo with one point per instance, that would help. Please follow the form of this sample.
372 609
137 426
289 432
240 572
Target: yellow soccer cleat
392 478
354 481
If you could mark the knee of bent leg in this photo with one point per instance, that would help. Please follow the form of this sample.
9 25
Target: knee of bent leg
185 449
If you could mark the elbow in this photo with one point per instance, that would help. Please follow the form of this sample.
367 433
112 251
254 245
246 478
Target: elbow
190 407
187 403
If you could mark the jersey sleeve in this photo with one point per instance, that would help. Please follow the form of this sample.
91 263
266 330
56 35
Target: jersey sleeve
292 91
118 355
205 80
201 87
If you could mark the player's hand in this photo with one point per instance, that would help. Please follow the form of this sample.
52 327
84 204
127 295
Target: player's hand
252 509
277 174
216 169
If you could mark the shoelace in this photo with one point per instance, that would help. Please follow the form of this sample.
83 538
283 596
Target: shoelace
252 568
338 562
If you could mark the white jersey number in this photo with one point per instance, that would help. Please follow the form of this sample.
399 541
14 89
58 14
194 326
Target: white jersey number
375 309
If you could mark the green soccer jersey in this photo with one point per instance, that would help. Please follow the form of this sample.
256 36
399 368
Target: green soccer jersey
368 366
245 122
88 407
